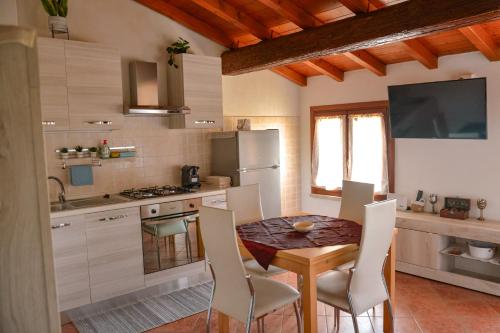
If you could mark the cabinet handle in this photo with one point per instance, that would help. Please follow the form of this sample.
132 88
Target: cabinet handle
100 122
218 201
204 121
112 218
61 225
48 123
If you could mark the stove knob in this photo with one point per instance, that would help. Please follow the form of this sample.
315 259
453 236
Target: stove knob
153 211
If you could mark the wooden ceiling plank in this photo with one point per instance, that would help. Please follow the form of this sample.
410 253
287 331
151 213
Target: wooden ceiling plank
395 23
482 40
289 10
236 17
188 21
421 53
415 48
291 75
368 61
326 68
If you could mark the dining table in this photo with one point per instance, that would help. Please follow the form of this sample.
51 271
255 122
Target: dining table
310 262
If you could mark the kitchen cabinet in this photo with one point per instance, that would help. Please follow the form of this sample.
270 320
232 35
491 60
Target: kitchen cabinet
114 246
196 83
53 90
70 261
420 248
216 201
80 85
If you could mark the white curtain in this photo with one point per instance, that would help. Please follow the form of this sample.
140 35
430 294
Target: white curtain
328 157
368 151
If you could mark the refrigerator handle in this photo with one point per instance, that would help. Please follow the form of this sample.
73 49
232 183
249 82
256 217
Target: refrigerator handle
274 166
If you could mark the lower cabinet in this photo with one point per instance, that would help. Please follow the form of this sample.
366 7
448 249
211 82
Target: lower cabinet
70 261
216 201
114 252
97 256
419 248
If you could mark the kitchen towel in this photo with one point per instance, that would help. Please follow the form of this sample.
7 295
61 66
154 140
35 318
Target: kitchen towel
81 175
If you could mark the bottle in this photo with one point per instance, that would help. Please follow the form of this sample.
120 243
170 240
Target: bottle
104 149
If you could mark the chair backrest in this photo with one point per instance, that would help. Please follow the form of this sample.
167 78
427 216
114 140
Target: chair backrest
367 287
232 294
245 202
355 196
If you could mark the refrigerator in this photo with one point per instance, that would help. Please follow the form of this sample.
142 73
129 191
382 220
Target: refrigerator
251 157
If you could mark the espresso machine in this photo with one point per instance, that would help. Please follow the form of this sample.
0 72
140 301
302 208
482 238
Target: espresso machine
190 177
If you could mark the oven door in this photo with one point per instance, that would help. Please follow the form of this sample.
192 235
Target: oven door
170 241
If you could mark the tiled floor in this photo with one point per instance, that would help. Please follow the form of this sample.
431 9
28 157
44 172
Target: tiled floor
422 306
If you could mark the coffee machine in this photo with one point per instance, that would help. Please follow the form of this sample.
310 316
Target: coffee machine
190 177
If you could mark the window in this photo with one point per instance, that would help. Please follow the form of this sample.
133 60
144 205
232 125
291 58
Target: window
351 141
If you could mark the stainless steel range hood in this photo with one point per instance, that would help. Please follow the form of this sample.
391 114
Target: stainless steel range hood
144 92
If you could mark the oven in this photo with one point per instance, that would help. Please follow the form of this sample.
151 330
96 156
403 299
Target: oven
170 235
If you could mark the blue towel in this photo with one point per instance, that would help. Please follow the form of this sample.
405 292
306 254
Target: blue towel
81 175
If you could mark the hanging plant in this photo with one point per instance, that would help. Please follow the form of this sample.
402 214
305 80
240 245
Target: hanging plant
180 46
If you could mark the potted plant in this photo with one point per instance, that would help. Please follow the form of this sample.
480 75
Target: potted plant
64 152
93 152
57 10
79 151
180 46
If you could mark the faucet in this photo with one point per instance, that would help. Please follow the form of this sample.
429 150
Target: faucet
62 194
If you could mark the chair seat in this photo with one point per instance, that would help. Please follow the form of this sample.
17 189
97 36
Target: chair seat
332 289
271 295
345 267
254 268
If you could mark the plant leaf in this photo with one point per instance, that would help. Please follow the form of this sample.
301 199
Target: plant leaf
62 9
49 7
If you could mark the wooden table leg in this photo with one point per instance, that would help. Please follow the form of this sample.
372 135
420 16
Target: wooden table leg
309 303
390 278
223 323
199 240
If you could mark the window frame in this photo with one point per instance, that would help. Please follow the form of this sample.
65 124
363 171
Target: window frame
347 110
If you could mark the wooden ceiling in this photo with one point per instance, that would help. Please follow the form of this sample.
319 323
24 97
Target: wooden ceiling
239 23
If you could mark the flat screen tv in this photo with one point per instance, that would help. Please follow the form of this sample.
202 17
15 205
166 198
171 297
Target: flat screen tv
439 110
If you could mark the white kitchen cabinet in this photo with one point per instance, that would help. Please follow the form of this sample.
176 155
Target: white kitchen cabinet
70 261
114 245
216 201
53 88
420 248
196 83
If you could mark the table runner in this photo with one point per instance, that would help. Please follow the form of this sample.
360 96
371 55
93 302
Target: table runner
264 238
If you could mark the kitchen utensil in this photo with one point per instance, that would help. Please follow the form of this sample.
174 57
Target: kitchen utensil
482 250
304 226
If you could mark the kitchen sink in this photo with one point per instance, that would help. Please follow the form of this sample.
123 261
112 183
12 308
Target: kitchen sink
86 203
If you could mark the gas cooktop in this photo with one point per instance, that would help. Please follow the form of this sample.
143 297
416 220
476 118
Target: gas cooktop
155 192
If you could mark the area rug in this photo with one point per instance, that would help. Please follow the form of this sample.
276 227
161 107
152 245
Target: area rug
149 313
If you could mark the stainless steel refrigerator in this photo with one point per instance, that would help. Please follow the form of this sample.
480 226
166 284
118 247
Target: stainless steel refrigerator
251 157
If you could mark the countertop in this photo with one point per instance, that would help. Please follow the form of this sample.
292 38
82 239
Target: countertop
203 192
488 230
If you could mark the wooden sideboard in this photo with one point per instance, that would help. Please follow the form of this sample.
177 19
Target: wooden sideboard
422 244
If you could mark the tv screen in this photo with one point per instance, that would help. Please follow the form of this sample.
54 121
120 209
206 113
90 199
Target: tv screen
443 110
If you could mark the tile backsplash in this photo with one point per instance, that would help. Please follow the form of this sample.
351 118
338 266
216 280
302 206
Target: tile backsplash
161 152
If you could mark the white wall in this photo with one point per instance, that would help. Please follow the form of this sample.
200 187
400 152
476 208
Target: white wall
466 168
261 93
8 12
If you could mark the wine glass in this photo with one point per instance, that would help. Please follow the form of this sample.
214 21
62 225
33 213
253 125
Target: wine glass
433 199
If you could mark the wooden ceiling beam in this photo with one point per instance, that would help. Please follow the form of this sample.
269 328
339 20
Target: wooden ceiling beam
189 21
291 75
239 19
415 48
403 21
289 10
482 41
326 68
368 61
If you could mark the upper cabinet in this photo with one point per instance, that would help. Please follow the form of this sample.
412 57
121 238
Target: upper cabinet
80 84
196 83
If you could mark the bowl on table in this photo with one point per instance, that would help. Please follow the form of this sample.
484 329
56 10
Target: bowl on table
482 250
303 226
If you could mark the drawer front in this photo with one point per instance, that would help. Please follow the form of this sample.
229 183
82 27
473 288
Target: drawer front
216 201
115 253
192 204
70 261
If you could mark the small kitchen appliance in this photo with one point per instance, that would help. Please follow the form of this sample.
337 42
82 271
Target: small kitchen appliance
190 177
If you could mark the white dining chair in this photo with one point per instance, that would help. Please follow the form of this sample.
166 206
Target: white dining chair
363 286
245 202
236 293
355 196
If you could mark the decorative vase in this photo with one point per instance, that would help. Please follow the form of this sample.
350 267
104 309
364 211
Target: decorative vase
58 24
79 154
64 155
93 154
